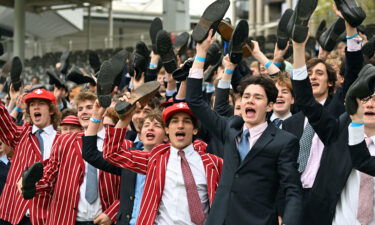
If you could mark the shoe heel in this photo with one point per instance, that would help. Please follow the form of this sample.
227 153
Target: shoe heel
300 33
122 108
104 100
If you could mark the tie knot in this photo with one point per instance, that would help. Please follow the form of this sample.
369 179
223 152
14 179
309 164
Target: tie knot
39 131
181 153
368 141
246 133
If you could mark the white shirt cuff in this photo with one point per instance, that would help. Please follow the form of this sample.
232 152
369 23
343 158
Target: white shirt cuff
356 134
223 84
300 73
170 92
196 73
355 44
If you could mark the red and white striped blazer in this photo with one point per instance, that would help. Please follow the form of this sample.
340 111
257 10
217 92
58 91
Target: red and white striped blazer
63 176
26 152
154 165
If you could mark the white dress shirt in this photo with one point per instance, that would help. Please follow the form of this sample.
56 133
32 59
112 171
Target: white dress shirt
87 211
174 208
48 135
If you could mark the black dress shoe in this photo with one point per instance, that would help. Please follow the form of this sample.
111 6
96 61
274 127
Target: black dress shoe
1 49
214 54
351 12
142 95
361 88
321 28
141 59
55 80
105 83
180 45
182 73
282 34
298 25
210 19
94 61
237 41
209 73
165 50
155 27
15 73
65 62
368 49
76 76
330 37
29 178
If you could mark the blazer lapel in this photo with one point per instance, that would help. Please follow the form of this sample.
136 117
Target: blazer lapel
261 143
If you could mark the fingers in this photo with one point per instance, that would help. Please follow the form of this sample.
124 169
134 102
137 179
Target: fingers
19 186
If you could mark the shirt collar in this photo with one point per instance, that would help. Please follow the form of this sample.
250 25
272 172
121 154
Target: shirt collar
136 139
323 101
257 129
4 159
49 129
188 151
273 116
101 134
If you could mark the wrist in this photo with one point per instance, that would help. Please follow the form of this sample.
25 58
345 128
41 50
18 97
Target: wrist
201 53
95 120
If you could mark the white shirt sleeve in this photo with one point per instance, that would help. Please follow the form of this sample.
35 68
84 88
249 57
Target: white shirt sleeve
356 134
223 84
354 44
196 73
300 73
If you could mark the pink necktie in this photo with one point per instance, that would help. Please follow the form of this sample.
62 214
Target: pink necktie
195 205
366 195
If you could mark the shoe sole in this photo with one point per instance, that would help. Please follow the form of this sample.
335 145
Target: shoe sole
15 73
282 34
181 43
182 73
32 175
330 37
155 27
105 82
351 12
141 94
303 12
237 41
225 30
165 49
94 61
210 19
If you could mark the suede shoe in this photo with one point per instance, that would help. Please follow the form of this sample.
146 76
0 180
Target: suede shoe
29 178
210 19
156 26
15 73
330 37
351 12
298 25
282 34
237 41
142 95
165 50
361 88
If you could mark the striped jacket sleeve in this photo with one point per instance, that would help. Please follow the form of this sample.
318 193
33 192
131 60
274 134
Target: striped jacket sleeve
116 151
9 133
112 210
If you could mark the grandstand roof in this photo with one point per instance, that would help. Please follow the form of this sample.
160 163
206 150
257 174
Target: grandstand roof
43 5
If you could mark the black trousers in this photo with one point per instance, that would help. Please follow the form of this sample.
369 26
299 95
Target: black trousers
25 221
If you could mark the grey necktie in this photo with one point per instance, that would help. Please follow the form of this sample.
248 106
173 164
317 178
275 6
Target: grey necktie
38 135
305 147
244 145
91 184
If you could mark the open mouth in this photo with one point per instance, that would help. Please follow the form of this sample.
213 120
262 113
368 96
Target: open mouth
37 116
180 135
280 102
150 136
314 85
369 113
250 112
85 118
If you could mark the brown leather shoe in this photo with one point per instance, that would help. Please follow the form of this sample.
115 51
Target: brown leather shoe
225 29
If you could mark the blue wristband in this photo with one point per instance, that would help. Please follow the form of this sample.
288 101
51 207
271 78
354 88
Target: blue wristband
95 120
228 71
352 124
200 59
351 37
153 66
18 109
268 64
277 64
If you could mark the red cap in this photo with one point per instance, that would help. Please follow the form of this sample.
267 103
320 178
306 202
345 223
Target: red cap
71 120
175 108
167 103
40 94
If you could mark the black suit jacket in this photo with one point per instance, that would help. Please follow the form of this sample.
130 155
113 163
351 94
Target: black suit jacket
4 169
247 189
335 164
93 156
361 158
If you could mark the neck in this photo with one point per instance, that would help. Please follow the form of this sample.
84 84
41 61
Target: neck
321 98
369 131
282 115
251 125
147 148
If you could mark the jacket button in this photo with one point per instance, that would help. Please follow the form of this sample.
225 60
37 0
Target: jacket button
131 198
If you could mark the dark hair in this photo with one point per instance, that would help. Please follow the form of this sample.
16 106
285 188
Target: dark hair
329 69
193 119
55 117
68 112
267 84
